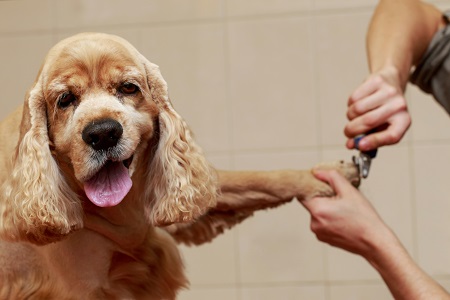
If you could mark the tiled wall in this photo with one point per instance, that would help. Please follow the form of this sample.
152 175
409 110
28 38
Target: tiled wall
264 84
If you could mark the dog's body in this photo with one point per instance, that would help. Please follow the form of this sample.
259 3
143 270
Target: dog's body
115 255
105 179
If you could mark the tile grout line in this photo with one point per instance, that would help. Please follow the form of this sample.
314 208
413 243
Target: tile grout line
413 200
186 21
231 151
320 147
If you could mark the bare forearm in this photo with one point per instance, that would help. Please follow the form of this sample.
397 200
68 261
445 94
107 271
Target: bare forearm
399 34
405 279
350 222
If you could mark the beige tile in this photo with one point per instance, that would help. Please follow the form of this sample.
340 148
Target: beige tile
388 187
429 120
341 67
131 35
29 15
431 164
358 291
445 282
255 7
208 293
191 61
220 161
212 263
86 13
277 245
441 4
276 160
343 265
271 84
337 153
20 60
340 4
314 292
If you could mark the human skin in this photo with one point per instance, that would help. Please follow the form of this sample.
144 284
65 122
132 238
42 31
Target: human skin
398 36
350 222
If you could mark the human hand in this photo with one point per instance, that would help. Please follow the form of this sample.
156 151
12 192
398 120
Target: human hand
347 220
378 104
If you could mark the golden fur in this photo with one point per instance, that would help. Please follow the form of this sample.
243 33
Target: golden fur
57 244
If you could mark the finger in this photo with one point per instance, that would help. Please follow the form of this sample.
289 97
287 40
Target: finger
381 115
386 134
374 119
360 126
379 98
314 204
392 135
367 88
350 144
308 204
336 180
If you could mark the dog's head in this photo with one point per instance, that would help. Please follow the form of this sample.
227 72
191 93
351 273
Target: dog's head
98 120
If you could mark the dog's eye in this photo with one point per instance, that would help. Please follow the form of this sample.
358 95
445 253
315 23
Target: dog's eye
66 99
128 88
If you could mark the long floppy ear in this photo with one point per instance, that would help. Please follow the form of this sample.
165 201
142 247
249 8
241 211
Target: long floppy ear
181 183
37 205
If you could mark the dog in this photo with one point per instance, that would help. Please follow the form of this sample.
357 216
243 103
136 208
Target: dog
102 178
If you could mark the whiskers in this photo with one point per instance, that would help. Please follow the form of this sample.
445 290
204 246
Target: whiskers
98 158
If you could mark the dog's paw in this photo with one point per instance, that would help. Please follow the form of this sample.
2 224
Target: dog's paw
322 189
348 169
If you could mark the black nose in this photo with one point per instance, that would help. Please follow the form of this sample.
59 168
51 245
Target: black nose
102 134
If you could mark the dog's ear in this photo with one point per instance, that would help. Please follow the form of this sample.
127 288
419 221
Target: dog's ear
36 203
181 183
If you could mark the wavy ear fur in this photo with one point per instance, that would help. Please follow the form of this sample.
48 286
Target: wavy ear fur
36 203
181 183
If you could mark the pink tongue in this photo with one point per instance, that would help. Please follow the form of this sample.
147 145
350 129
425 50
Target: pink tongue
109 186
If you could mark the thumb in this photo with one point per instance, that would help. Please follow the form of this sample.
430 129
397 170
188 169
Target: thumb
336 180
313 204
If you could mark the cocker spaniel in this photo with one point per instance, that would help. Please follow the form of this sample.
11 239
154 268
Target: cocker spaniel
101 179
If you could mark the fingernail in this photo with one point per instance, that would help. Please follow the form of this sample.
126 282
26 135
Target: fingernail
363 143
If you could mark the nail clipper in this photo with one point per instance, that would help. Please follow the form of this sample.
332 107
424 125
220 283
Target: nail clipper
363 160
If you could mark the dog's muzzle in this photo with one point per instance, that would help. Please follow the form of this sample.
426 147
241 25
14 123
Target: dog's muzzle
112 182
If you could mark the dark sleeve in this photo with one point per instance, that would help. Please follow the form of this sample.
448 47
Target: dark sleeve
432 74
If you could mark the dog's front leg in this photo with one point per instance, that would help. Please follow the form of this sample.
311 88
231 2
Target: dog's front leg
244 192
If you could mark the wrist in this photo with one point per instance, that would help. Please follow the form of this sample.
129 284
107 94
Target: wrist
384 249
395 75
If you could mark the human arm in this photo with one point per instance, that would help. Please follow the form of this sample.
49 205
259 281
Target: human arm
398 35
350 222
